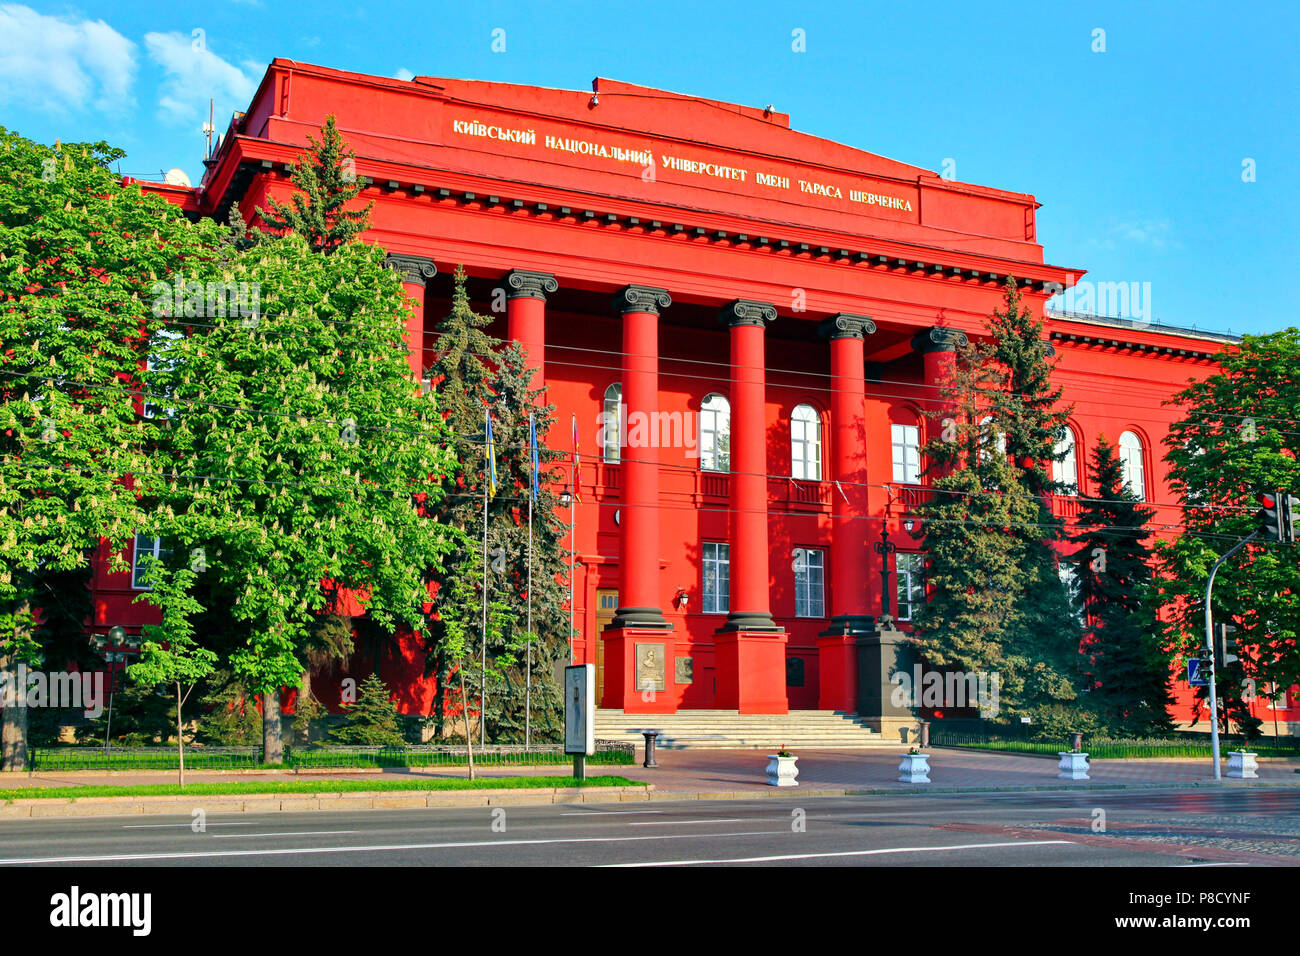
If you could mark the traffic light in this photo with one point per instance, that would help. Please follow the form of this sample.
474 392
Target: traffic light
1270 516
1225 644
1288 512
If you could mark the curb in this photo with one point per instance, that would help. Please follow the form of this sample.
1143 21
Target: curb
37 808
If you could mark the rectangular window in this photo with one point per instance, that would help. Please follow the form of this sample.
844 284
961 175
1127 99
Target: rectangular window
907 453
159 359
717 578
145 545
809 580
911 583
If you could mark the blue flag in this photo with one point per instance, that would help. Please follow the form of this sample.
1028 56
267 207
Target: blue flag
532 444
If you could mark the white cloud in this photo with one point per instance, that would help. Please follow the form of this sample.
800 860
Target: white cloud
403 74
1147 233
51 62
194 74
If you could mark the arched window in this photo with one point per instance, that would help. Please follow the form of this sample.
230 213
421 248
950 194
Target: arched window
805 443
1065 467
1130 458
610 423
905 441
715 433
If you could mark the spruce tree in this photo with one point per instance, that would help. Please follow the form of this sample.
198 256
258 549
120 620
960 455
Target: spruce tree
372 721
1126 668
326 176
473 371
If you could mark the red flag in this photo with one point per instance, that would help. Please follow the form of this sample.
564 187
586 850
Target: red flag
577 461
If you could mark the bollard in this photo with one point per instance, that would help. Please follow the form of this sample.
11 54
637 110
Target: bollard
1076 742
649 736
925 735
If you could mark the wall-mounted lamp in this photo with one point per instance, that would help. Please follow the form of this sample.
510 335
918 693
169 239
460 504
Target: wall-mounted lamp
566 498
682 599
909 524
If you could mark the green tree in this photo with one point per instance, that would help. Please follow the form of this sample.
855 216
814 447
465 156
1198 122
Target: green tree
372 720
1236 440
472 371
80 259
1127 669
169 654
326 175
303 458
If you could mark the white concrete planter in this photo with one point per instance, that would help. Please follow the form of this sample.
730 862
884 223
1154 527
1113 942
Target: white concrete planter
915 768
1073 766
781 771
1242 765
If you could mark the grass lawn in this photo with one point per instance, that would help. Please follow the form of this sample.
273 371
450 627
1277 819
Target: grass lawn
238 788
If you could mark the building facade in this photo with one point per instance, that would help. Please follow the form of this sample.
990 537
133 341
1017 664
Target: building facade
748 325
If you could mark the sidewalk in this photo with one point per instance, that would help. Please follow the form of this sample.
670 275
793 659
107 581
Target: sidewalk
707 772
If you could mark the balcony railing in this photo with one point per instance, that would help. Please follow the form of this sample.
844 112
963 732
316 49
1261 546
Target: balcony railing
806 495
715 484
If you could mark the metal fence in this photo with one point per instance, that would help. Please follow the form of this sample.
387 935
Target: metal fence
608 753
1022 738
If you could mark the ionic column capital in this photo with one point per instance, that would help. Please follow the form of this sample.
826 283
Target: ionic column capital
846 325
417 269
747 312
642 298
940 338
522 284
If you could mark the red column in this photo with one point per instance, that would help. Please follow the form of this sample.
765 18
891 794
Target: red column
750 647
414 271
526 316
850 550
938 346
637 638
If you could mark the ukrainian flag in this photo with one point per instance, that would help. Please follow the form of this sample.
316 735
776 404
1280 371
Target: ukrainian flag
491 454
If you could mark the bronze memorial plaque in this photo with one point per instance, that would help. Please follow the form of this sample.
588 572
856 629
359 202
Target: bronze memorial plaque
683 670
650 666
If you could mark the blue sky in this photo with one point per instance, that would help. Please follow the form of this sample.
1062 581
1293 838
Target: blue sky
1136 152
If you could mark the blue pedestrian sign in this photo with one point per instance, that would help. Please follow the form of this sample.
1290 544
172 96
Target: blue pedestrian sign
1198 672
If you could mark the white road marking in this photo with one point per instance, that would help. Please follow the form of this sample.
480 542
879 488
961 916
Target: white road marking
245 836
163 826
1185 866
673 823
605 813
285 851
814 856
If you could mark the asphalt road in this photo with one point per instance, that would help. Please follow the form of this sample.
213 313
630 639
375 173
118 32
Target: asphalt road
1141 828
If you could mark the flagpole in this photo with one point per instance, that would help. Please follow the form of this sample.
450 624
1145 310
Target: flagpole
528 671
573 538
487 480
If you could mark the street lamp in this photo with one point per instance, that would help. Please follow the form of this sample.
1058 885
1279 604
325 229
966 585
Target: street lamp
116 638
884 547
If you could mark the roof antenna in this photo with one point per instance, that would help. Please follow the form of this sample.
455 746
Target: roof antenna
209 128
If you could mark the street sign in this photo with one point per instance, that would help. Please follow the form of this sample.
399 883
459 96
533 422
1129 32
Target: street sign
580 709
1198 672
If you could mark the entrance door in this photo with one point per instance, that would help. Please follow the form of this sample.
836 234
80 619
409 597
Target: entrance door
606 604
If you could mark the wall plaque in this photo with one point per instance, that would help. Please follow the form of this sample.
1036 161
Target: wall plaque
683 670
651 661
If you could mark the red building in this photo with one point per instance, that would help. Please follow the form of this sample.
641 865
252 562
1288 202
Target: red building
716 273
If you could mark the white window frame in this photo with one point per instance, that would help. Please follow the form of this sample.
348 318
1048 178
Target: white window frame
611 424
909 586
1065 470
809 582
905 441
156 359
1132 464
155 548
805 443
715 589
715 433
1068 572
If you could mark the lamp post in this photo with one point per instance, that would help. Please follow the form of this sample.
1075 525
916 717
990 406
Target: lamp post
884 547
116 638
566 501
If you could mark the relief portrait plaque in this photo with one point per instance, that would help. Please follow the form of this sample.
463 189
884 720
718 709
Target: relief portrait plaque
683 670
650 666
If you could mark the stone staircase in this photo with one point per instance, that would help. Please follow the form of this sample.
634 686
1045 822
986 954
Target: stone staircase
727 729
